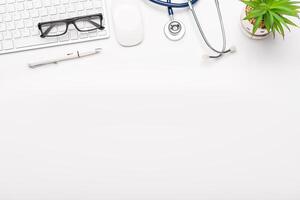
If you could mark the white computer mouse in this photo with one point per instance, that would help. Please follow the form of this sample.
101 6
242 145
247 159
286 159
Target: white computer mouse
128 23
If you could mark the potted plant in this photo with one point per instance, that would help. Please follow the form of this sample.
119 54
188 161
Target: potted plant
262 17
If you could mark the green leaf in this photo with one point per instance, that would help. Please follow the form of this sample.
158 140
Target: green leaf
286 20
257 24
267 22
252 4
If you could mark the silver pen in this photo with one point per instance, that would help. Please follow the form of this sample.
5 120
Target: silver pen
68 56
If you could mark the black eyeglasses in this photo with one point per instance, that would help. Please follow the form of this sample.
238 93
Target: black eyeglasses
82 24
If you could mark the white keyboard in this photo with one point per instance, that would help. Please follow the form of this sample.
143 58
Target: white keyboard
19 19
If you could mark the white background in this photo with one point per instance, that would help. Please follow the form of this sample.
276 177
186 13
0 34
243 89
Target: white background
154 121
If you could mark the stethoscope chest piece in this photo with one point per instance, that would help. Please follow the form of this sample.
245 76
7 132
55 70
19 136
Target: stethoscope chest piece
174 30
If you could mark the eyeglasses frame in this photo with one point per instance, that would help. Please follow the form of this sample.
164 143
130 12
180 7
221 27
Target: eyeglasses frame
69 21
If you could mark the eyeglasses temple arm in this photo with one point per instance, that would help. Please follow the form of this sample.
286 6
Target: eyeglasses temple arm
99 26
44 34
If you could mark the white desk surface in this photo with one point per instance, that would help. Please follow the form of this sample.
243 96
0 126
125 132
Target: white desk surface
154 121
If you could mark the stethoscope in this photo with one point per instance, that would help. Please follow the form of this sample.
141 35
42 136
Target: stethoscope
175 30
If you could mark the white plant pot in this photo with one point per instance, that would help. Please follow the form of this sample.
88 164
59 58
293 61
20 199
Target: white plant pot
247 28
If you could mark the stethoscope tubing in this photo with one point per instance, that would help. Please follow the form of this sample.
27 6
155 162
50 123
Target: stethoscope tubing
190 4
173 5
223 51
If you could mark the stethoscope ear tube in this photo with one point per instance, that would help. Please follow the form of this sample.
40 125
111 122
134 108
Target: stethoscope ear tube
219 52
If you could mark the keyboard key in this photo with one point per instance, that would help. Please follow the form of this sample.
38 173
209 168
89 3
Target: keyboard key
10 25
43 12
25 32
55 2
37 4
88 5
64 1
28 23
64 38
2 26
83 35
73 34
10 8
25 14
2 9
70 8
17 16
46 3
92 34
79 6
7 35
34 13
61 10
34 32
16 33
7 17
19 24
20 7
28 5
52 11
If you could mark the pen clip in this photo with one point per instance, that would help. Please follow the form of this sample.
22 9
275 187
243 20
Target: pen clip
98 50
